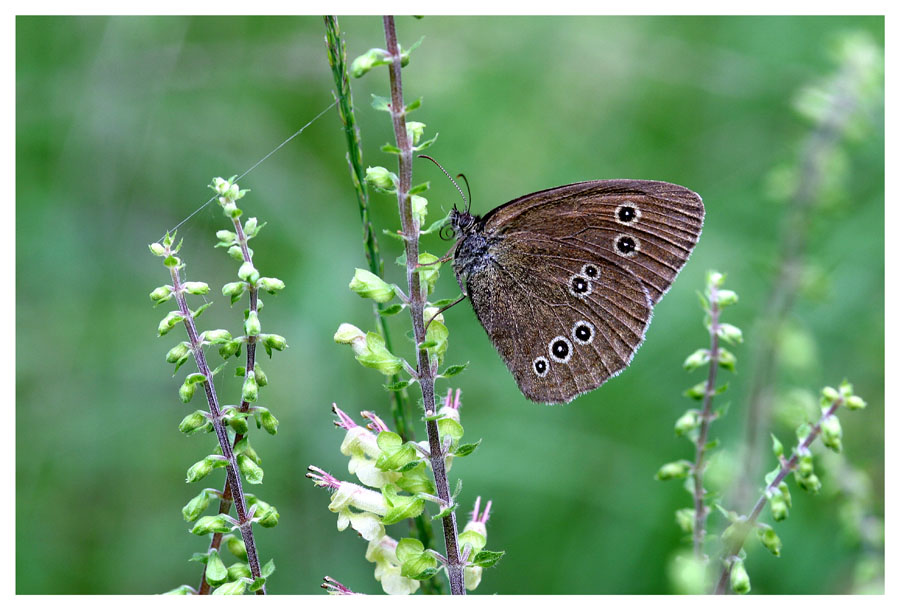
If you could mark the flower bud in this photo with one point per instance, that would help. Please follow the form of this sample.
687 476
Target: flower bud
193 509
250 389
381 179
196 287
252 226
347 333
831 433
270 284
220 185
674 470
217 336
414 130
211 524
238 423
371 352
697 359
250 469
419 208
727 297
714 278
234 290
829 395
684 517
805 465
740 580
186 392
226 238
778 507
276 342
770 540
237 571
731 333
200 469
235 546
855 402
179 353
251 324
169 322
266 516
248 272
366 61
157 249
234 587
161 294
261 379
727 360
810 483
268 421
194 422
687 422
236 253
369 286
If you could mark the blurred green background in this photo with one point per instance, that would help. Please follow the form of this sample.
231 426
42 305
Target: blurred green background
121 124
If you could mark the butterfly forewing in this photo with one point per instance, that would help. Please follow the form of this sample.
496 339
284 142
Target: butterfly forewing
646 227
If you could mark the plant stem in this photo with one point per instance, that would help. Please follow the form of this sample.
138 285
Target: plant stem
231 468
425 369
786 467
700 508
227 495
337 59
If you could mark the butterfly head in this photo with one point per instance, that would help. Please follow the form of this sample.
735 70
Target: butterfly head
461 221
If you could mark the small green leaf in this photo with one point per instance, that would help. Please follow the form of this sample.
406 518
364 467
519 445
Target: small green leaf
454 370
390 148
466 449
392 310
381 103
487 559
397 385
420 188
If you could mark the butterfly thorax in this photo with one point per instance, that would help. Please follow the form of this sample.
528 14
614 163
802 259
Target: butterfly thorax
472 253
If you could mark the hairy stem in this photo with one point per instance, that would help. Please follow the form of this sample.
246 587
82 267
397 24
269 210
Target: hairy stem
425 369
337 59
786 467
700 508
227 497
400 412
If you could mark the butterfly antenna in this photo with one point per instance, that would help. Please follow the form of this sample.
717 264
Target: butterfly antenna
461 194
468 189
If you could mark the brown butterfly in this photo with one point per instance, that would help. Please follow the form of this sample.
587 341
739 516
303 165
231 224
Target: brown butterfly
564 280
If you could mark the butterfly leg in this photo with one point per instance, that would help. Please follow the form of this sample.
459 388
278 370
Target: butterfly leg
443 309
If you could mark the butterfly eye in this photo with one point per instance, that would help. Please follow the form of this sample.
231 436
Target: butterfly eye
583 332
579 286
627 213
541 366
590 271
627 245
560 349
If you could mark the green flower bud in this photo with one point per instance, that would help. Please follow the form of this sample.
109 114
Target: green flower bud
846 389
250 389
371 352
200 469
276 342
218 336
381 179
369 286
251 227
778 507
429 271
727 297
226 350
268 421
157 249
684 517
770 540
193 509
169 322
438 335
855 402
179 353
250 469
419 208
414 131
267 515
234 290
248 272
216 572
697 359
831 433
235 546
740 580
785 492
196 287
687 422
270 284
731 333
236 253
674 470
347 333
186 392
261 379
805 465
238 423
220 185
829 395
161 294
727 360
235 587
810 483
236 571
714 278
194 422
226 238
251 325
367 61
